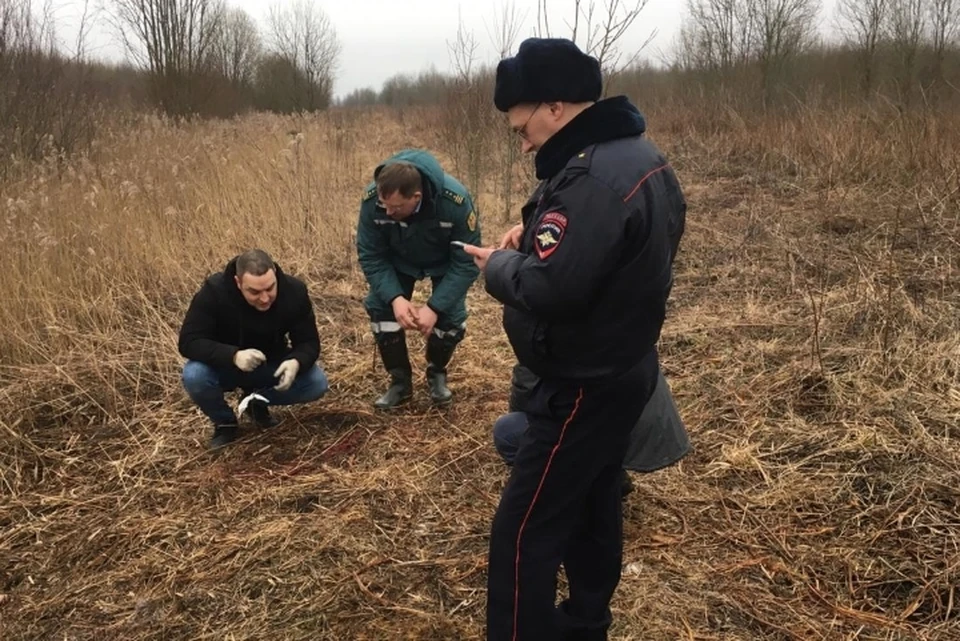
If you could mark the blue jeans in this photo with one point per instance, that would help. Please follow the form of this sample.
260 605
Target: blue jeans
507 432
206 386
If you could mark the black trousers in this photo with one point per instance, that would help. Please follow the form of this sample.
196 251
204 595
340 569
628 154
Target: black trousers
562 505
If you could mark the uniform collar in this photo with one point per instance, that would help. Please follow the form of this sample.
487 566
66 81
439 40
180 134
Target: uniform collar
604 121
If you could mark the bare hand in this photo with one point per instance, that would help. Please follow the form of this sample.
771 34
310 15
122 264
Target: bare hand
405 313
480 255
428 320
511 240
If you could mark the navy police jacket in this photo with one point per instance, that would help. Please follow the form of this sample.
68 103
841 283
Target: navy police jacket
585 296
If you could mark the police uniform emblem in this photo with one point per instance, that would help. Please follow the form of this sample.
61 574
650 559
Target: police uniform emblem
549 234
472 221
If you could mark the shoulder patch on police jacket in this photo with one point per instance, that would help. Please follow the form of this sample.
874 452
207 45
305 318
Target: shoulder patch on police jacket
454 196
549 233
370 193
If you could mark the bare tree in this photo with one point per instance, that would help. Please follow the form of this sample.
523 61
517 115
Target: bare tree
862 22
505 30
906 24
27 81
944 21
175 41
717 35
302 34
503 35
603 29
781 30
463 52
45 104
237 48
467 117
543 20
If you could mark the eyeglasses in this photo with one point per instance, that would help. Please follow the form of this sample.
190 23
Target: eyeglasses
522 131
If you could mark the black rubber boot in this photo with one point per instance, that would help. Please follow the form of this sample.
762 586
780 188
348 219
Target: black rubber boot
439 353
393 352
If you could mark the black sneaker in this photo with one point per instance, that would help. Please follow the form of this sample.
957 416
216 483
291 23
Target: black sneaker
223 435
259 413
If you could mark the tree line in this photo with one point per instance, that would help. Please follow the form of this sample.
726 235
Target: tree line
203 58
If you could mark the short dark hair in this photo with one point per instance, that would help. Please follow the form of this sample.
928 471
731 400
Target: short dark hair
255 262
399 176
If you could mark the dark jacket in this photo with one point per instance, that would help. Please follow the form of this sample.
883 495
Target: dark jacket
220 322
585 296
420 245
658 440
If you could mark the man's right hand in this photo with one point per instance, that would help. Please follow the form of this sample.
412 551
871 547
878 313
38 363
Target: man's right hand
248 360
512 239
405 313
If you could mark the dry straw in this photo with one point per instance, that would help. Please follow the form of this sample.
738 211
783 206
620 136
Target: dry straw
811 343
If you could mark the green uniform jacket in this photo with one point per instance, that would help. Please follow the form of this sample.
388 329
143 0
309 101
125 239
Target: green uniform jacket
420 245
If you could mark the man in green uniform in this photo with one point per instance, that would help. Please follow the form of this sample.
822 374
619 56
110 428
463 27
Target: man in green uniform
409 217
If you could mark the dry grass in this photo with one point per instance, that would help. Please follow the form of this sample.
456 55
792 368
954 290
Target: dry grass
812 345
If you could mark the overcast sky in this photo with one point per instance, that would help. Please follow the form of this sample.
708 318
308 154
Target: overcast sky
380 38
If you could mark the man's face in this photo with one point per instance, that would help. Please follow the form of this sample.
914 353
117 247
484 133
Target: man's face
258 291
533 123
398 207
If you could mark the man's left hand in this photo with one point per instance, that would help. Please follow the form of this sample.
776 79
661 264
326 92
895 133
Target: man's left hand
286 373
480 255
426 320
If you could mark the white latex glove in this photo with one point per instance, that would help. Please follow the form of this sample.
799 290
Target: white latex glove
248 360
286 373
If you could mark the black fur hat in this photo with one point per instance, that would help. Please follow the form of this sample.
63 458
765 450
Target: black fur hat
547 70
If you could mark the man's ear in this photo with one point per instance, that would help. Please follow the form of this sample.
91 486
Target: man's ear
237 280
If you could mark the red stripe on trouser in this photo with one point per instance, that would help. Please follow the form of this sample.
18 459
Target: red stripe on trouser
543 477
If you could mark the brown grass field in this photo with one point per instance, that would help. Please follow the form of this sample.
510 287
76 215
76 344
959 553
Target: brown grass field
812 344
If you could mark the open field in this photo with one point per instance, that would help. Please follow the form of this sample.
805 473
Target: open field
813 345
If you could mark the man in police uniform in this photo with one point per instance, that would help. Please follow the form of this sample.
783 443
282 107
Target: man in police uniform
584 281
408 218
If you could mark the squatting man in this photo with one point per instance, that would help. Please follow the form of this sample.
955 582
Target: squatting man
250 327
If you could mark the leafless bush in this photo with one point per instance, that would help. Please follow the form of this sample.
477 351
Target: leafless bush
943 18
906 23
45 106
469 114
781 30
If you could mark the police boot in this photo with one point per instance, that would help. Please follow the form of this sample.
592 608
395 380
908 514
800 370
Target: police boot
393 352
439 352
